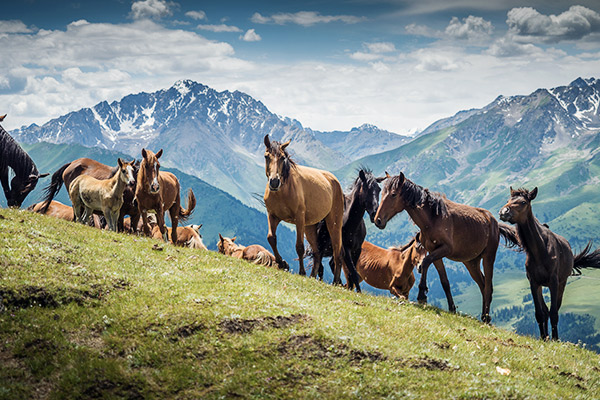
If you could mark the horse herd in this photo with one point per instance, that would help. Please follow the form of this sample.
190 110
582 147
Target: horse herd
332 222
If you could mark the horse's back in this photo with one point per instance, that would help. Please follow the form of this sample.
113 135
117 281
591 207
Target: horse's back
374 265
322 193
86 166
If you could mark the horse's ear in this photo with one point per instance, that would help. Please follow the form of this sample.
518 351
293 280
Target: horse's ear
533 193
267 142
2 117
144 153
362 176
220 237
402 178
159 154
44 175
387 176
120 162
381 179
233 238
199 226
286 144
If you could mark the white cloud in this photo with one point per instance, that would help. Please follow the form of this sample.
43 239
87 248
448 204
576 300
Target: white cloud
471 28
380 47
13 26
362 56
373 51
250 36
151 9
199 15
220 28
578 22
304 18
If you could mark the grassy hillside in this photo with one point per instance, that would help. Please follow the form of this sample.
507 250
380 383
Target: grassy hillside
93 314
217 211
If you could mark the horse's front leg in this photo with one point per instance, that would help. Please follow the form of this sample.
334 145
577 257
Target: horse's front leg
541 310
145 224
439 265
273 222
312 237
436 254
4 181
351 274
174 214
300 246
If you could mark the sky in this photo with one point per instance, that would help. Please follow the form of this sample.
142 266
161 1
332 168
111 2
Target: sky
331 64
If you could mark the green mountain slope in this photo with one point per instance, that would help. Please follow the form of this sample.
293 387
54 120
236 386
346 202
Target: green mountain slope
95 314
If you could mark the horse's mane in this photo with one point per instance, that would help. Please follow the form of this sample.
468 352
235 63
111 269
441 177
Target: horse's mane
416 238
288 162
415 195
15 157
368 174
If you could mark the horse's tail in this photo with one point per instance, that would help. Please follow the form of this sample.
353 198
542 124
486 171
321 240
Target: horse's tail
195 242
264 258
185 213
511 237
585 259
53 188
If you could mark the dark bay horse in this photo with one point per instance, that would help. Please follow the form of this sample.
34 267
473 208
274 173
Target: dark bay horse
549 261
26 173
448 229
160 191
303 196
363 197
86 166
391 269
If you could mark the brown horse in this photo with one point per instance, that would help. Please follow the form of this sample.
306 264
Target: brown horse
254 253
86 166
187 236
390 269
550 260
448 229
57 209
89 194
159 191
304 196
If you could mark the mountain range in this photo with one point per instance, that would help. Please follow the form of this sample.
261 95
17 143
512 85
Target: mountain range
548 138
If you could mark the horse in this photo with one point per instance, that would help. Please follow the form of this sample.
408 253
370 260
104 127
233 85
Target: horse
89 194
391 269
303 196
26 173
254 253
549 260
59 210
187 236
363 197
159 191
448 229
86 166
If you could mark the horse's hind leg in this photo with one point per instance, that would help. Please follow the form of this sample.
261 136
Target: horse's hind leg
480 280
174 214
441 269
334 226
311 236
350 271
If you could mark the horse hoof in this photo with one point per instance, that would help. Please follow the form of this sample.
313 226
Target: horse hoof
486 319
422 301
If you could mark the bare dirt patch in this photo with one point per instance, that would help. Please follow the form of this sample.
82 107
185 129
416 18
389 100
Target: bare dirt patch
310 348
238 325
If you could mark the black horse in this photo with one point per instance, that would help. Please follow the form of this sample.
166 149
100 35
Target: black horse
364 196
26 173
550 260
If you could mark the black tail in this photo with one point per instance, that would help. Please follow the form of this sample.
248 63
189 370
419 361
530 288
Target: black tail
585 259
511 237
53 188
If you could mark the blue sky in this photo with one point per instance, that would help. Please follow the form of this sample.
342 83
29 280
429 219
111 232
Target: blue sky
332 64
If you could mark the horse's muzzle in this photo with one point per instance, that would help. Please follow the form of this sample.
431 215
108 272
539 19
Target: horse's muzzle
154 189
505 214
372 216
274 184
380 223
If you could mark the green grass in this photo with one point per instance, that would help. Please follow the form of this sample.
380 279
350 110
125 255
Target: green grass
94 314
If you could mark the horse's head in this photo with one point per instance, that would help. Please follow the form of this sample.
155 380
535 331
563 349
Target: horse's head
149 169
126 170
226 245
20 188
277 163
518 208
392 201
368 191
